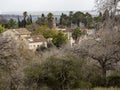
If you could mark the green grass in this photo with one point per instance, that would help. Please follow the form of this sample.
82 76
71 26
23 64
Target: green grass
100 88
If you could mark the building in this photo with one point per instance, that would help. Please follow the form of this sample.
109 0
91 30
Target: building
35 42
69 31
22 34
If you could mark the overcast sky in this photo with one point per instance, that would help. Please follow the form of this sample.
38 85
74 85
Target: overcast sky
45 5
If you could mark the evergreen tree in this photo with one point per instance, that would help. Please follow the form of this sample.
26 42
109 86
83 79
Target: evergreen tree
31 18
76 33
78 17
12 24
64 20
42 20
70 17
24 18
50 20
19 22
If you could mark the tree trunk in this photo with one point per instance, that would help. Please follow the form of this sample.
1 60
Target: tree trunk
104 76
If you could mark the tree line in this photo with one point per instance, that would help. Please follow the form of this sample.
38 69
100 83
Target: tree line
74 18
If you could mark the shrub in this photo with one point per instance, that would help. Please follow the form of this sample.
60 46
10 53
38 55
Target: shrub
114 80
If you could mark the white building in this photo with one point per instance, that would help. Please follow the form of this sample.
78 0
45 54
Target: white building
22 34
35 42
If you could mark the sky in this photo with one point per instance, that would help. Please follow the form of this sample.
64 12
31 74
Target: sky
45 5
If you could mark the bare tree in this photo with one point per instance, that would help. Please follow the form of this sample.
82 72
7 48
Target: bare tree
11 63
104 49
111 5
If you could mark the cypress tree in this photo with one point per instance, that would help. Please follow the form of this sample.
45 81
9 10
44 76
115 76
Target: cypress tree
19 22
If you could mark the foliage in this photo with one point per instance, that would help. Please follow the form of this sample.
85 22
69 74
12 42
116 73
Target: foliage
98 19
41 48
86 66
27 20
110 5
76 33
104 49
56 73
2 29
103 88
12 24
50 20
65 20
45 31
25 14
50 44
42 20
3 21
60 39
77 18
10 64
32 27
88 20
113 80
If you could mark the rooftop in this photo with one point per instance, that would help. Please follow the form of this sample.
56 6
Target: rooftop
36 38
21 31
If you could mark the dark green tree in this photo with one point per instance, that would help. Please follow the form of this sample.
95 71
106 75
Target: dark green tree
70 16
31 18
78 17
56 74
64 20
42 20
12 24
50 19
25 14
19 22
88 20
99 18
76 33
60 39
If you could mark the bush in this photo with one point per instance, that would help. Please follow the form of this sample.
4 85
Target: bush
56 73
114 80
50 45
82 85
101 88
41 48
